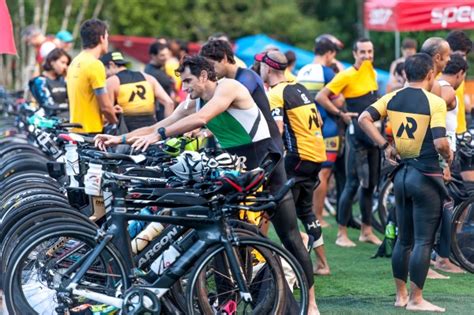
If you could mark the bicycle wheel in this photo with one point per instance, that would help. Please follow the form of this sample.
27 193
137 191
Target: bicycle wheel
211 290
386 202
462 234
40 269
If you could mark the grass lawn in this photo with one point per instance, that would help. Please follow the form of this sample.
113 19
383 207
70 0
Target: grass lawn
360 285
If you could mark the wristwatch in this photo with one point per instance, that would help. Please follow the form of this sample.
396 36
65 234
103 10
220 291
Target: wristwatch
162 133
384 146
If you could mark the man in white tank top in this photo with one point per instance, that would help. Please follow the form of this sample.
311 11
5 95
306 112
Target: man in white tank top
451 78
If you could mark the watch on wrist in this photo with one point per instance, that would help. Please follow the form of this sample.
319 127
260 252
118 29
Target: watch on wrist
162 133
384 146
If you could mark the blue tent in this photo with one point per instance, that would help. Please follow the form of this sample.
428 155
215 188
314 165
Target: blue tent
249 46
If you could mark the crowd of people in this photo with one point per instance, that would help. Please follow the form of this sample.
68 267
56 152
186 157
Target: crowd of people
325 120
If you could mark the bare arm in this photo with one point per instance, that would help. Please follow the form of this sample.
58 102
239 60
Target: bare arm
442 146
280 125
449 96
107 108
323 99
223 97
161 95
366 123
113 84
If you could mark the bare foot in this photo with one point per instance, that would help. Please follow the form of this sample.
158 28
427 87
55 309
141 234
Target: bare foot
321 270
447 266
344 241
424 306
435 275
370 238
324 224
313 309
401 301
325 213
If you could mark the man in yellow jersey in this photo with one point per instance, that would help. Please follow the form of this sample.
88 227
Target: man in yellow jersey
419 123
86 86
298 121
358 85
135 92
460 43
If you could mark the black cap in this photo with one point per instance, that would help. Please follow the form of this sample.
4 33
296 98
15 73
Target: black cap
115 56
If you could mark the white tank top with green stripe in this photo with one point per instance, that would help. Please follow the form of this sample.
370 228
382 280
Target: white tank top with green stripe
237 127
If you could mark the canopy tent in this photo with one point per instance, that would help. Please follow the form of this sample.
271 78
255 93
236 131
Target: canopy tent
7 42
417 15
247 47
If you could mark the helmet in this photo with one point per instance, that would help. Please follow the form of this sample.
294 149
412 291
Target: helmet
225 161
188 166
175 146
332 38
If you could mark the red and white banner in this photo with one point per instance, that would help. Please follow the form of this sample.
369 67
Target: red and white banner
418 15
7 41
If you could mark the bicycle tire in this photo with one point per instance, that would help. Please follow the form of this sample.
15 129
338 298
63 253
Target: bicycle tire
462 234
16 300
255 242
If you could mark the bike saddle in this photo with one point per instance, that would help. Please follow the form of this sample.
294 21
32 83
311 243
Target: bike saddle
245 182
101 155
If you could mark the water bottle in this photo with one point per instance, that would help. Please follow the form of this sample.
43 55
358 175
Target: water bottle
351 128
146 236
136 226
390 230
72 163
165 260
93 179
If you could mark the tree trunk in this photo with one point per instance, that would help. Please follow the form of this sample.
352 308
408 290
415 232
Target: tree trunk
37 13
45 15
97 9
67 14
80 17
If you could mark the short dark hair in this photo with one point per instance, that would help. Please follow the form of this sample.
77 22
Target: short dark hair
418 66
409 43
459 41
360 40
323 46
196 64
290 57
399 68
156 47
54 55
216 50
91 31
455 64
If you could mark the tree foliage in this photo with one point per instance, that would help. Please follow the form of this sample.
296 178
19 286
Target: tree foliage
296 22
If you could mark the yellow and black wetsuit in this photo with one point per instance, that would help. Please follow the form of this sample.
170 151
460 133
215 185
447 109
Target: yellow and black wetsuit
137 99
292 104
418 118
362 157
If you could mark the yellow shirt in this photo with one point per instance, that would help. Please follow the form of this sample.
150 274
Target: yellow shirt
170 69
239 62
418 118
85 74
292 104
353 83
290 77
461 109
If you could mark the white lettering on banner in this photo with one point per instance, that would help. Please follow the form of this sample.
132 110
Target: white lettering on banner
449 15
379 16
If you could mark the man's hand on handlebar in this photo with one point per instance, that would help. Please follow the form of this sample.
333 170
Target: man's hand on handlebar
103 141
